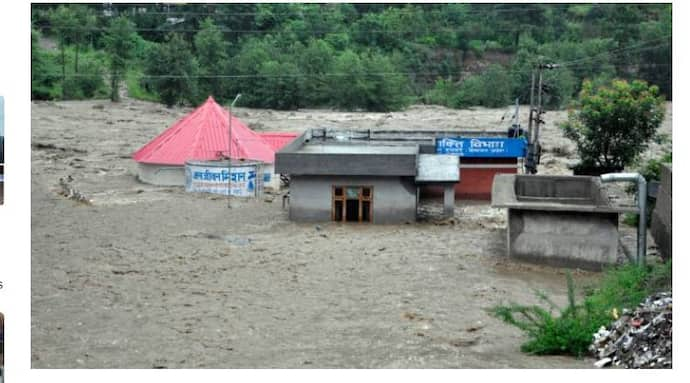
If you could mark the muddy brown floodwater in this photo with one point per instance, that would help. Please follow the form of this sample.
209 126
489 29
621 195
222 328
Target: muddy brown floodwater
152 277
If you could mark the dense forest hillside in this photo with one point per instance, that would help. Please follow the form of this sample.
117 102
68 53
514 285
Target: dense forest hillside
375 57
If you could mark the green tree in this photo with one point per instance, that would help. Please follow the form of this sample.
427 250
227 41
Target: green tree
63 22
348 83
516 19
120 43
496 87
385 87
73 24
559 86
315 61
211 51
44 71
280 85
172 69
655 61
81 35
491 89
612 125
89 83
246 63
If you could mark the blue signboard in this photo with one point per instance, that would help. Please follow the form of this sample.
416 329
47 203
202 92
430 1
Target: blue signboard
482 146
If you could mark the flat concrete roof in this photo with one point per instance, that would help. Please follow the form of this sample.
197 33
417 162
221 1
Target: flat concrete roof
503 194
357 148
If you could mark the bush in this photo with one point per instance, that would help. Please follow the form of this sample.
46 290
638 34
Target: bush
469 92
496 87
651 171
88 83
477 47
441 94
614 124
571 332
138 89
490 89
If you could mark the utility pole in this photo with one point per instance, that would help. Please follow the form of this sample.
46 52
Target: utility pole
230 145
535 120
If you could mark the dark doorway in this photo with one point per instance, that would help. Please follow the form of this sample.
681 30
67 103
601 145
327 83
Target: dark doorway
352 210
352 203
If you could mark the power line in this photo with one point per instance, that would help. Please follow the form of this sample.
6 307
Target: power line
171 28
164 28
622 49
568 64
326 9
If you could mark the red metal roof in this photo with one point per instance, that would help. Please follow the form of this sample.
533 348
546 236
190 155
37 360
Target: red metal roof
277 140
203 135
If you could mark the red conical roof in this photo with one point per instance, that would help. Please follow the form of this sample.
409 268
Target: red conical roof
203 135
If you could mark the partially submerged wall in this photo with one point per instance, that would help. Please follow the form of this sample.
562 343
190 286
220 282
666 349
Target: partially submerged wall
662 215
563 239
170 175
161 175
559 220
476 178
394 198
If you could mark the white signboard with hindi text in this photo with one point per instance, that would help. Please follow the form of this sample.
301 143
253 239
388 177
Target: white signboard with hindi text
242 180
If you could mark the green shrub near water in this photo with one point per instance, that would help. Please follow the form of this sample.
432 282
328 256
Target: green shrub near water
651 171
571 332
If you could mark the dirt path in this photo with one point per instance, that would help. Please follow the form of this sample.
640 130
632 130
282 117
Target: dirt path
153 277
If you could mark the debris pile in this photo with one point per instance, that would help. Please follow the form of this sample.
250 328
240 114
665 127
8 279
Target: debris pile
639 339
68 191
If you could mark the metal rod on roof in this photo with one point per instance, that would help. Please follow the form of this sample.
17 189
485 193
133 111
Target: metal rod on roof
230 145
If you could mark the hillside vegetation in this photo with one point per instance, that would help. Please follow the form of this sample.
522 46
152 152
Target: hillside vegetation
376 57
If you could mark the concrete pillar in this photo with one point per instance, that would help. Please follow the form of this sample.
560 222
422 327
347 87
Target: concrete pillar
448 200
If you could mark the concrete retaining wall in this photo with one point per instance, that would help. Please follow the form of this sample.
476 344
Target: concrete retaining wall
395 198
662 216
563 239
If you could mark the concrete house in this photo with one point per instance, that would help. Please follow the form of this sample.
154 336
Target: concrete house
379 176
362 177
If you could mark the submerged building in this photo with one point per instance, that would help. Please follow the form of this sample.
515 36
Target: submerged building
378 176
204 135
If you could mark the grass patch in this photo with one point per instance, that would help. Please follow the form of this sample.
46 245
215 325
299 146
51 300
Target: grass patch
568 331
631 219
136 90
